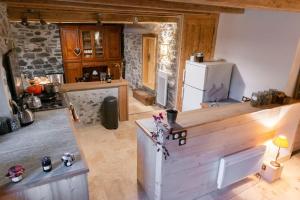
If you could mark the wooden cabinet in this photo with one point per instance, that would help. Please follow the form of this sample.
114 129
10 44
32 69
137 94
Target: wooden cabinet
73 70
70 44
89 45
113 43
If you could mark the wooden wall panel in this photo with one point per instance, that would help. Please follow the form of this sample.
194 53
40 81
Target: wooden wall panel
198 34
123 103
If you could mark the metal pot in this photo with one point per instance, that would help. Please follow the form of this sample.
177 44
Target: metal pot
25 115
56 78
51 88
34 102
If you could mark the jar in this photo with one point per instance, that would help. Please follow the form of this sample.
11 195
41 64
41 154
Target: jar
199 57
46 164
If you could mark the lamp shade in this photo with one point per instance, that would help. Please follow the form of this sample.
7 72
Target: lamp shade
281 141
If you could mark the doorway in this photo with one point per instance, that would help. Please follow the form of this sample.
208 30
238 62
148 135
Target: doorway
149 61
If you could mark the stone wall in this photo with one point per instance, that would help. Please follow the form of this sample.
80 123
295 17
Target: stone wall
133 59
88 104
5 45
38 48
166 58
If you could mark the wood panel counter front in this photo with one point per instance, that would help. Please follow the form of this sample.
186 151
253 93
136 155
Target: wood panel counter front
191 170
122 86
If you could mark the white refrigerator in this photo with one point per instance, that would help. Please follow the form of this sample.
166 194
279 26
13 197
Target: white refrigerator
205 82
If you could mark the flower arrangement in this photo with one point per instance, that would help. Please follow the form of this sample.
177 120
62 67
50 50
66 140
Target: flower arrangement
158 134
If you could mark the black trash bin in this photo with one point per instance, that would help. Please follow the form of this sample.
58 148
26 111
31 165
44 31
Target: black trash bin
110 114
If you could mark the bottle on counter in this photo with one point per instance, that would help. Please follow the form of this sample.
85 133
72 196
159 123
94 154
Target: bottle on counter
46 164
108 76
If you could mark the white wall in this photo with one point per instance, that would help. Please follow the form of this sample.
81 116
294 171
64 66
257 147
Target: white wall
262 44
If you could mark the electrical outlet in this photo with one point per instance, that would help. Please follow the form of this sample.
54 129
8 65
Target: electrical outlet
175 136
182 141
179 135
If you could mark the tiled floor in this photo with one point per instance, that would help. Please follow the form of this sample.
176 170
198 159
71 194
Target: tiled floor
111 157
136 106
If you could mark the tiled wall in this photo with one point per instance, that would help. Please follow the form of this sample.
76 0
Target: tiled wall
88 103
38 48
166 60
5 43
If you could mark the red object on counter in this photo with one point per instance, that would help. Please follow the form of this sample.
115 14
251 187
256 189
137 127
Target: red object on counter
15 171
34 89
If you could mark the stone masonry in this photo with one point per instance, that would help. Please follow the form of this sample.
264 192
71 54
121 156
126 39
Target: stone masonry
38 48
166 61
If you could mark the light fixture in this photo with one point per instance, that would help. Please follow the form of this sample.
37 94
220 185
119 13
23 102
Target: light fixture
281 142
42 21
135 20
99 23
24 21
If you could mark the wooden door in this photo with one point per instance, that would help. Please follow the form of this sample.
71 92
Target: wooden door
72 71
113 43
149 61
198 34
70 43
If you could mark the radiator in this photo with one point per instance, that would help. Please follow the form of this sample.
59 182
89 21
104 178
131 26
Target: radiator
162 85
238 166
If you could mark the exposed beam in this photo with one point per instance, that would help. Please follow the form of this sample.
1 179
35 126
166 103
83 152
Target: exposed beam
282 5
154 6
15 14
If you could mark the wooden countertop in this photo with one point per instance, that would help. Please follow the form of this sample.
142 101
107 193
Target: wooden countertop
50 135
68 87
198 117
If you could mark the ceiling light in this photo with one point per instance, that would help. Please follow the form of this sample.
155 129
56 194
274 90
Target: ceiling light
135 20
42 21
24 21
99 23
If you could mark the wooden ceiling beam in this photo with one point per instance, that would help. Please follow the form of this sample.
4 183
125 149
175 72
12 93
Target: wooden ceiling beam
155 6
15 14
281 5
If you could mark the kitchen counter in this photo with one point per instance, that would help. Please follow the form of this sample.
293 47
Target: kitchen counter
50 135
203 116
87 97
211 134
68 87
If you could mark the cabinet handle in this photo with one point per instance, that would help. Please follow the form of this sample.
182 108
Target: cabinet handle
77 51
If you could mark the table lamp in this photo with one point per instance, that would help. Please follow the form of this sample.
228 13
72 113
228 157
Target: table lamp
281 142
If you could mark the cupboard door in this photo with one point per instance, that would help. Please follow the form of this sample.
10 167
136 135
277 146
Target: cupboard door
72 71
114 69
98 44
70 44
113 43
87 44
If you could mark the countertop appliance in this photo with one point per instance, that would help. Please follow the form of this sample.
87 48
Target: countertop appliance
51 102
205 82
